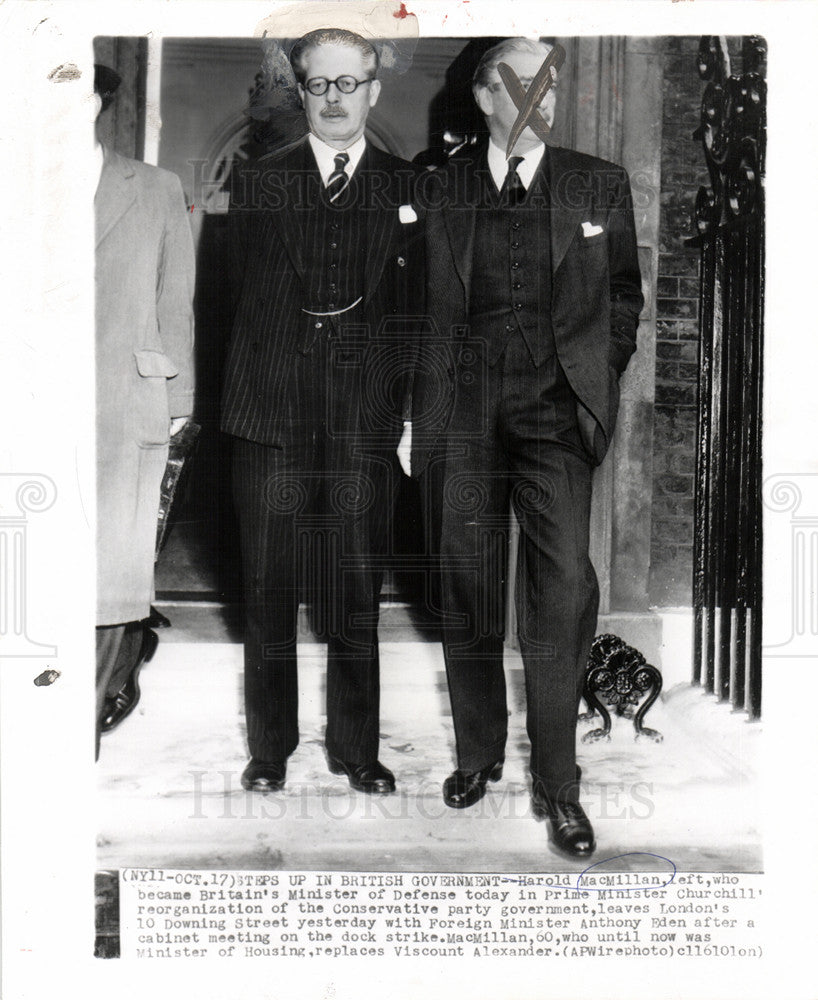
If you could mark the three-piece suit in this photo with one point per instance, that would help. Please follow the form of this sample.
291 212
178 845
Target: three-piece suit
536 306
316 380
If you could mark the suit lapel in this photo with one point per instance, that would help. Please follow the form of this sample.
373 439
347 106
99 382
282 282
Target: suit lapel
115 193
300 173
460 215
382 231
564 218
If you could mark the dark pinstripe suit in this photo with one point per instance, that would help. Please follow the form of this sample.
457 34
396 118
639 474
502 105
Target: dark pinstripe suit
316 405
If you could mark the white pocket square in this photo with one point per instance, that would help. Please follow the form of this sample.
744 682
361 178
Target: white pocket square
407 214
589 229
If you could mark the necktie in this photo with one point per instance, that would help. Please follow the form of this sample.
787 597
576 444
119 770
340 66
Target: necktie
513 189
338 179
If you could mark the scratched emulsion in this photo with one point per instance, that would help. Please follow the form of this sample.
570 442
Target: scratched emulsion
46 678
387 21
64 73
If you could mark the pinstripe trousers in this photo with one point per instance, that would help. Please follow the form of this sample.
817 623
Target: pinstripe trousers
312 512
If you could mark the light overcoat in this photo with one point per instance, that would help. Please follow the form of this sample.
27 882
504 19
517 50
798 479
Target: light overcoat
144 369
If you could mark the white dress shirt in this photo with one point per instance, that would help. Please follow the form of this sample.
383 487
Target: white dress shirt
498 164
325 156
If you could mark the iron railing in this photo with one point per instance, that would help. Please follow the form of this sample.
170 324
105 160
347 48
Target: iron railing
729 217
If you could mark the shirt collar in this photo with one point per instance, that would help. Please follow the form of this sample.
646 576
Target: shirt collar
325 156
498 165
99 159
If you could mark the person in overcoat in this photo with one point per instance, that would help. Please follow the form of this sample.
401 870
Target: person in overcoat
144 393
534 286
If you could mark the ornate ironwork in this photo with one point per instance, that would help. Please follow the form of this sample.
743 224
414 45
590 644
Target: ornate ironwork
729 222
622 677
732 132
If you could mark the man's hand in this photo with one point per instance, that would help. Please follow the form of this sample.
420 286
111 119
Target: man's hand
176 424
587 425
405 448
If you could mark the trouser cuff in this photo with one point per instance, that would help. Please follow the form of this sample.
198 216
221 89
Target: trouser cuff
267 753
480 759
556 790
352 754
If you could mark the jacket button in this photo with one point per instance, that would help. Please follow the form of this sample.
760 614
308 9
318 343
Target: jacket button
401 262
318 324
515 265
518 305
515 225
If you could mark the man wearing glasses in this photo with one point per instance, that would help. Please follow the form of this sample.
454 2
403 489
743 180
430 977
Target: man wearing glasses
535 257
326 259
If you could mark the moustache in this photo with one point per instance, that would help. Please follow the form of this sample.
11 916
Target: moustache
330 112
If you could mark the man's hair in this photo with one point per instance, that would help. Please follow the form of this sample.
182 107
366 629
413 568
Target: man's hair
496 54
106 82
330 36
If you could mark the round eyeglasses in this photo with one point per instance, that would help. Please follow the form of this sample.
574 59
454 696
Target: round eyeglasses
319 85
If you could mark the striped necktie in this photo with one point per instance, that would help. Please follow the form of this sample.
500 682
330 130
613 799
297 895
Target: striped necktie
339 178
513 189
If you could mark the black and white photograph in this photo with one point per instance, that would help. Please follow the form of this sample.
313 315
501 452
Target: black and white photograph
439 497
372 652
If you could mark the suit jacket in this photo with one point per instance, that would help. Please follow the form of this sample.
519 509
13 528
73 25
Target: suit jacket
596 292
268 269
144 368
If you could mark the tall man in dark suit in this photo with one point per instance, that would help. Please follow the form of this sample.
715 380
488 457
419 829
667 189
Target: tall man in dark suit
534 284
325 250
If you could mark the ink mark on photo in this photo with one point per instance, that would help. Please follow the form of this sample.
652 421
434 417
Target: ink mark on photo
614 881
528 101
609 879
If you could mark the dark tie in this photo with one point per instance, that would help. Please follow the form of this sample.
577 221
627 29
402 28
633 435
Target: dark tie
338 179
513 190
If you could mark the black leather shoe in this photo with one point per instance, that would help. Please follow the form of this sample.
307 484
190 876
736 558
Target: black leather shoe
373 778
571 830
156 619
264 776
125 701
463 788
